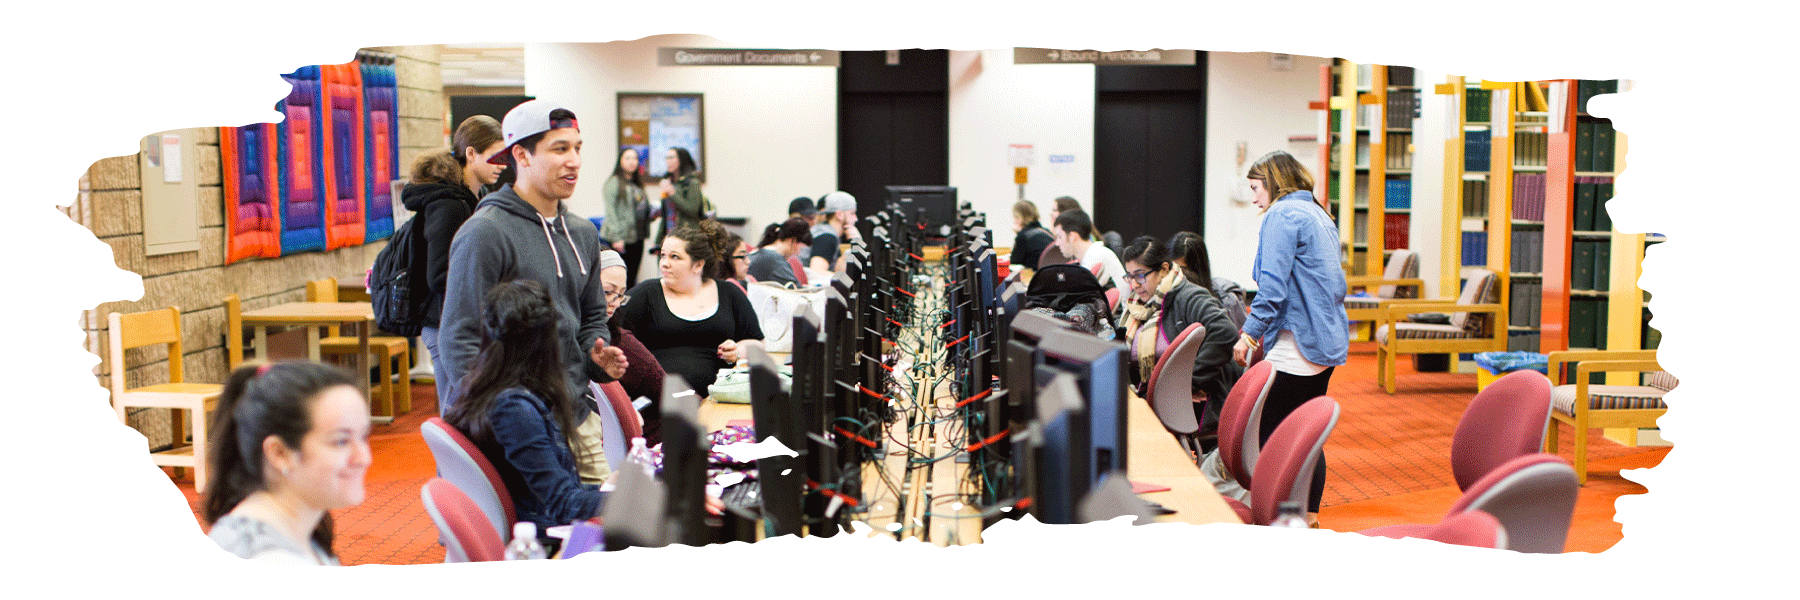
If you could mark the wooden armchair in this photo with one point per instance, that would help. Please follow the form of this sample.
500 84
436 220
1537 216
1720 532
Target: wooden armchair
1400 280
388 351
1476 325
1585 406
150 328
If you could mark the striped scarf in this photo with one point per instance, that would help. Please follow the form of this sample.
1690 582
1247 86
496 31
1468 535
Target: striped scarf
1143 322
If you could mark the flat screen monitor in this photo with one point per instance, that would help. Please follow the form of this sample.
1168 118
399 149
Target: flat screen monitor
935 204
782 477
811 378
1057 476
684 463
1099 370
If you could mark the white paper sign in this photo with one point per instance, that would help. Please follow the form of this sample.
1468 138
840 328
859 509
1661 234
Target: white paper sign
1061 164
1019 155
171 155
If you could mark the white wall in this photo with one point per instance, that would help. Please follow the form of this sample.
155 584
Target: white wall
770 132
1436 121
994 104
1249 102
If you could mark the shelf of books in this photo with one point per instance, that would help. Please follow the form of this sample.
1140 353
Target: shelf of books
1590 297
1369 112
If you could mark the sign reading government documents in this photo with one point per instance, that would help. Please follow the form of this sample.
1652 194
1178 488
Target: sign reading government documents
1053 56
739 57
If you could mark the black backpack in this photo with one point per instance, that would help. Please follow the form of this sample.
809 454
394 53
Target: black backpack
397 287
1071 293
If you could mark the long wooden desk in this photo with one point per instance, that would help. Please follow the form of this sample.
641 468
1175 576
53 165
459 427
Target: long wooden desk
359 316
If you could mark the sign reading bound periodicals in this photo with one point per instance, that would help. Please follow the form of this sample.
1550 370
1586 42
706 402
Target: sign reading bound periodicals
1054 56
740 57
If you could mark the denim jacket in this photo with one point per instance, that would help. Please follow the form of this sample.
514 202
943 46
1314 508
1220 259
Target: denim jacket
1300 281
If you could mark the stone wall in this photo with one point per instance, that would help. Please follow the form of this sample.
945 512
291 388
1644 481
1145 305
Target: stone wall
110 204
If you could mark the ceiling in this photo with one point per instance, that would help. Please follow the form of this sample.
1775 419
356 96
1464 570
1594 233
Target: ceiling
478 65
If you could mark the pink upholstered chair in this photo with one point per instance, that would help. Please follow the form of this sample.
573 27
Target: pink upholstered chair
1473 528
1506 420
1533 497
462 526
463 465
1171 390
1284 471
619 421
1239 418
799 270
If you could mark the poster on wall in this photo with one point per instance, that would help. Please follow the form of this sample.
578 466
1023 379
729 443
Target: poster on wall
652 123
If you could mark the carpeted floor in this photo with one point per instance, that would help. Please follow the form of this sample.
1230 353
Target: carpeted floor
1388 459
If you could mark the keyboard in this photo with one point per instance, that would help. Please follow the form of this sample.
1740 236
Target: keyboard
746 495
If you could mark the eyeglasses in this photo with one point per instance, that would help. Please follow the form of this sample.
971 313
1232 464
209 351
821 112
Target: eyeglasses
1138 276
611 296
740 256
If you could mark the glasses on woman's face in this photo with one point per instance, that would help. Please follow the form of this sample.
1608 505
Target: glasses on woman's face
740 257
1138 276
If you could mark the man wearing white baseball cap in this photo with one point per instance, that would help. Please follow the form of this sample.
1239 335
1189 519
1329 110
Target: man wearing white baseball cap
837 223
523 231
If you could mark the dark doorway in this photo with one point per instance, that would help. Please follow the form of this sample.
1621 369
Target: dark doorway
1149 149
893 123
463 107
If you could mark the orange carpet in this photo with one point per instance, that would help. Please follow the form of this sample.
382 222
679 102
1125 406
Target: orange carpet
1388 459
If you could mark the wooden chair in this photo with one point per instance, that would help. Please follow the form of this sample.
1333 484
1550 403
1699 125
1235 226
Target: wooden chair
388 351
1476 325
1399 280
1585 406
149 328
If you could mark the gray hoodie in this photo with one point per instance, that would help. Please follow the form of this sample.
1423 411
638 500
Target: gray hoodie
506 239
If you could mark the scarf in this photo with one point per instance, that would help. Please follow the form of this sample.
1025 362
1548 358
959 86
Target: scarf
1143 322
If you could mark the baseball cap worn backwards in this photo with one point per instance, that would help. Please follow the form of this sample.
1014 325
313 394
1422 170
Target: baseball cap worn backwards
525 120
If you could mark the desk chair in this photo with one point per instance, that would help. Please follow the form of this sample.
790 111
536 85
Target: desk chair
1400 280
1505 421
1170 389
1533 497
799 270
462 464
460 523
619 421
162 327
1284 471
1475 325
1584 406
1473 528
1240 418
391 353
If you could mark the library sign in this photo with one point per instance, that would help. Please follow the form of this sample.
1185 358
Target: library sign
1053 56
739 57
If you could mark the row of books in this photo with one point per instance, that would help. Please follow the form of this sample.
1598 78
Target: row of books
1399 193
1399 150
1531 148
1402 108
1475 199
1590 265
1474 248
1591 194
1395 232
1587 88
1587 322
1528 250
1528 196
1594 145
1475 151
1400 76
1478 106
1523 341
1525 305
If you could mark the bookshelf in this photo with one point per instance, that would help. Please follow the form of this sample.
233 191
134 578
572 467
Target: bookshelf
1369 116
1590 299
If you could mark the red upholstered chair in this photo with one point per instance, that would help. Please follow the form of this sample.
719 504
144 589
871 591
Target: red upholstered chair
1239 419
1532 496
619 421
462 464
1171 390
461 524
799 270
1506 420
1473 528
1284 471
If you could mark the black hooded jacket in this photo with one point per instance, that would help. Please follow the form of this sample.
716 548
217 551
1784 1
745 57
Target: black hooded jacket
441 208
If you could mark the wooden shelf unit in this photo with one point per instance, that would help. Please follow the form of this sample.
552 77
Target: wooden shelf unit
1354 99
1623 326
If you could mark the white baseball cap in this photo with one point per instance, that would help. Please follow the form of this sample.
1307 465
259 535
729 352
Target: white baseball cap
525 120
837 201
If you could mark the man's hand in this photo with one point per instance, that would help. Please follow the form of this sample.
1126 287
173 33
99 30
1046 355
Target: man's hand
610 358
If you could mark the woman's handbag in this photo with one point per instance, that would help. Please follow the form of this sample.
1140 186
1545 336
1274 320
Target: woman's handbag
776 307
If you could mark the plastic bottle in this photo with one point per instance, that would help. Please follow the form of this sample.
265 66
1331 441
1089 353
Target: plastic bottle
1292 514
640 455
524 544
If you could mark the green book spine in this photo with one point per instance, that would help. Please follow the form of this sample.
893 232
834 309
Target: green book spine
1602 193
1584 205
1602 266
1603 146
1581 323
1581 272
1584 146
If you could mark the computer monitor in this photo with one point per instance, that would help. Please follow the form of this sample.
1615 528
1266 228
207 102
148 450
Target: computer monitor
782 477
1099 369
938 203
684 463
809 391
1058 473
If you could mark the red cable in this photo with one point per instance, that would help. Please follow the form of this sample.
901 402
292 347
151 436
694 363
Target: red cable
996 437
983 394
859 439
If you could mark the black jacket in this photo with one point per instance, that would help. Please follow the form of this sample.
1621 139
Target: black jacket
441 208
1214 371
1029 244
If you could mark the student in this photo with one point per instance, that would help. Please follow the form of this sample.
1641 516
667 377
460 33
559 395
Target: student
1163 302
692 322
443 192
780 242
1298 317
1030 238
524 231
804 208
1052 254
837 224
290 442
627 212
643 378
735 267
1188 251
1075 237
683 202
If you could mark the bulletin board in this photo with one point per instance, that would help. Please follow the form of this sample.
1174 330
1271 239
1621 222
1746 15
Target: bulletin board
652 123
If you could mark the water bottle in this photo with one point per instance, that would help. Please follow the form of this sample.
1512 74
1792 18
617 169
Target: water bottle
524 544
1292 514
640 455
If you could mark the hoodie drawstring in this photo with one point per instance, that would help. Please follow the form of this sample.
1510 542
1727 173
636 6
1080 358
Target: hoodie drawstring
557 257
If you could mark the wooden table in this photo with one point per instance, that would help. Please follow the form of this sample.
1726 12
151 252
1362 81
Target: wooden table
312 315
